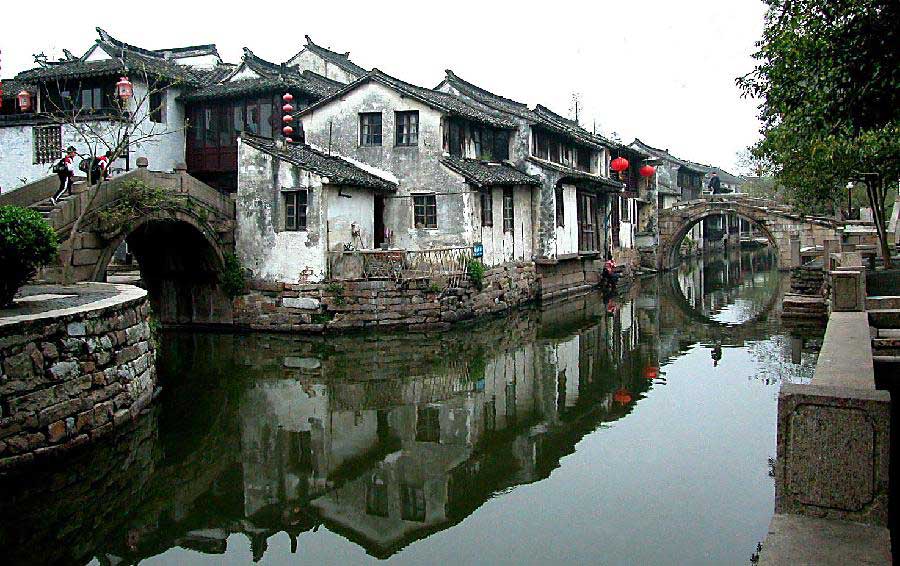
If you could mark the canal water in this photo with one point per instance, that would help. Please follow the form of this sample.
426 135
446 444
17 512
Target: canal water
633 430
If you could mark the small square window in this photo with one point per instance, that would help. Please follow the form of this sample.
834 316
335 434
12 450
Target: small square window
425 211
370 129
508 219
157 108
295 203
407 128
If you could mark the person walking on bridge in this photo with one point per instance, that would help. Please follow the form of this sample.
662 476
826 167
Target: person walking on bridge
65 170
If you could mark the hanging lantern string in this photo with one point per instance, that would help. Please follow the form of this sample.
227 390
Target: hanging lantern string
287 117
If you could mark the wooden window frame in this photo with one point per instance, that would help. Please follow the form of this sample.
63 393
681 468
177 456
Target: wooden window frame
425 208
406 128
46 144
295 211
509 213
368 137
487 207
560 207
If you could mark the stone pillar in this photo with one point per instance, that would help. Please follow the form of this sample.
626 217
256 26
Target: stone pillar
796 260
829 247
848 291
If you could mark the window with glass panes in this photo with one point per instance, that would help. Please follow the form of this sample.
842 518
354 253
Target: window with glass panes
508 219
407 124
370 128
295 203
425 211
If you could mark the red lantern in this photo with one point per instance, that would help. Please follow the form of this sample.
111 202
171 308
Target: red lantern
619 164
24 98
647 171
287 97
124 89
622 396
287 118
651 372
287 108
287 130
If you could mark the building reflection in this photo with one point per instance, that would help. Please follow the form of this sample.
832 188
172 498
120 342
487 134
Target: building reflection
389 439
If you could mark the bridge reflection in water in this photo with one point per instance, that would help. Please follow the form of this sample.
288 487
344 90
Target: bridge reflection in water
388 440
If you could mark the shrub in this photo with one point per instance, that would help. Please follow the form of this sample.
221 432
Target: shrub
233 277
27 242
476 273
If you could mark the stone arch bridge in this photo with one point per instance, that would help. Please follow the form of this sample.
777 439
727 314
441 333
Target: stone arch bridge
180 244
777 222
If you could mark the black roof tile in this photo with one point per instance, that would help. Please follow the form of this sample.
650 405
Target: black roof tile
484 174
342 60
338 171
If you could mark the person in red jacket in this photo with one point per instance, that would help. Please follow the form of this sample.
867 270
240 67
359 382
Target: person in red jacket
100 168
65 170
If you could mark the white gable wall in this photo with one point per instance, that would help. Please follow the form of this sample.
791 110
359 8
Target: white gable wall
308 61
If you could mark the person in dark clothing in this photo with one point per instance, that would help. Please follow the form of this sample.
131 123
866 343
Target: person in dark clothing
100 168
65 170
714 184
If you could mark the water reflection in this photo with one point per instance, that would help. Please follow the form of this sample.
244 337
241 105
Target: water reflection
387 440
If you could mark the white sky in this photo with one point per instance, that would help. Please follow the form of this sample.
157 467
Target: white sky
659 70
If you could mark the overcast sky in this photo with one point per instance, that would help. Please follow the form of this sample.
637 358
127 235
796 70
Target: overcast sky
659 70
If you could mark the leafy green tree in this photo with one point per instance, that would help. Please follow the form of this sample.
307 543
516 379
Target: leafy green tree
27 242
828 75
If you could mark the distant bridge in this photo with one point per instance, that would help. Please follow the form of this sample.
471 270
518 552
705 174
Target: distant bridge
777 222
180 246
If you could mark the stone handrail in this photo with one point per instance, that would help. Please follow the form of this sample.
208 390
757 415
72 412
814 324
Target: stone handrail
179 182
33 193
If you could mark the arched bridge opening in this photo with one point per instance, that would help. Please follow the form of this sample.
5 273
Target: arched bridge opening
179 240
672 247
180 265
778 224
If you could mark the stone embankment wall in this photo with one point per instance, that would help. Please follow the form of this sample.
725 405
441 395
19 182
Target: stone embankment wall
383 304
72 375
806 301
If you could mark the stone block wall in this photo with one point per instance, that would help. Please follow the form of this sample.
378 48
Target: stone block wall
419 303
70 378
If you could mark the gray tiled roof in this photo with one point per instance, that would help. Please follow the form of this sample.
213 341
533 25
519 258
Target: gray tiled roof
541 115
725 176
338 170
272 77
12 87
342 60
577 174
453 105
484 174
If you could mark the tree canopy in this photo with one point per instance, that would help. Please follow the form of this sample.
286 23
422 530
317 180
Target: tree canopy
828 75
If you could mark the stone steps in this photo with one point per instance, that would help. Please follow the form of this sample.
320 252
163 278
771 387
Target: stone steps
882 302
885 318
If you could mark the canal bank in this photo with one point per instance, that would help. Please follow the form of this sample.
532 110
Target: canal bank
77 361
650 429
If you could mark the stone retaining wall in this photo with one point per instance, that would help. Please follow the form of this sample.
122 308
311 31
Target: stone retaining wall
420 303
72 375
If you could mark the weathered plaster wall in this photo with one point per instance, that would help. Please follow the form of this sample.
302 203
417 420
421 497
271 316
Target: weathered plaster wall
501 246
166 146
418 168
70 378
17 167
272 253
351 217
